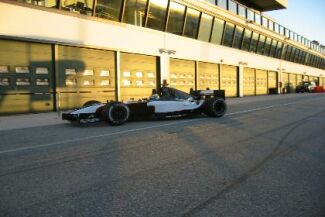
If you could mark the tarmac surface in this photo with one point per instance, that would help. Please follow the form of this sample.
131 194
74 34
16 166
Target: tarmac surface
266 157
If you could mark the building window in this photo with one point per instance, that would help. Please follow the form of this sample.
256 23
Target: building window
273 48
271 25
250 15
260 46
192 23
254 42
258 19
247 40
232 6
222 4
135 12
176 18
267 47
276 28
217 31
109 9
78 6
205 27
265 22
238 37
228 35
279 48
156 14
43 3
293 54
241 11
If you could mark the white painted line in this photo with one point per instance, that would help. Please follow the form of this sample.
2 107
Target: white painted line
139 129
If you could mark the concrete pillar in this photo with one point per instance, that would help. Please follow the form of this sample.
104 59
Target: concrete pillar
241 81
118 75
164 69
279 72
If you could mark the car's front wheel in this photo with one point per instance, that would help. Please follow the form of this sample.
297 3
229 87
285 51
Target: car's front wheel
215 107
116 113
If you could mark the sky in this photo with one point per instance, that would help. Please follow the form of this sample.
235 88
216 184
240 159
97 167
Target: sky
305 17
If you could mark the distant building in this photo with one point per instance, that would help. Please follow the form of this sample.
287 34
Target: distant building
64 53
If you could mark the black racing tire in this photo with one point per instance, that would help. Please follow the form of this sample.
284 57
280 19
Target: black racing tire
90 103
115 113
215 107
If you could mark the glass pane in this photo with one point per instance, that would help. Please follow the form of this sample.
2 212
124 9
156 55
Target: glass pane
232 7
212 1
250 15
176 18
108 9
238 37
254 42
267 47
44 3
246 40
205 27
276 27
78 6
279 50
217 32
260 46
157 13
222 3
135 12
229 34
273 48
241 10
192 23
293 53
258 18
265 22
281 30
271 25
287 32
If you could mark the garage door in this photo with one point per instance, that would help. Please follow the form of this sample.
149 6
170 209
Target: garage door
249 82
138 76
229 80
207 76
182 74
299 79
261 82
26 77
285 79
272 79
293 80
84 75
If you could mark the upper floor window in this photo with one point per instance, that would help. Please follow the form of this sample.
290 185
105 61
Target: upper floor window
258 19
156 14
134 12
205 27
217 32
232 6
78 6
109 9
241 10
254 42
191 23
247 40
223 4
228 35
238 37
43 3
176 18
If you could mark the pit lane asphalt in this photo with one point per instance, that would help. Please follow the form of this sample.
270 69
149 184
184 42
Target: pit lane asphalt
265 158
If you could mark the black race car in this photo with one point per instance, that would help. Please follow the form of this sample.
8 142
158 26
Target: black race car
168 102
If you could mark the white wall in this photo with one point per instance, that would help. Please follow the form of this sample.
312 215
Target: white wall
58 26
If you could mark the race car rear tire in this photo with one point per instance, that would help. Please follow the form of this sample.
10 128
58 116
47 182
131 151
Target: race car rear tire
115 113
215 107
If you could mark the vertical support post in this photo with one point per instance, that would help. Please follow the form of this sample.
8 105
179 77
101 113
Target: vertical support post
118 75
241 80
164 68
55 50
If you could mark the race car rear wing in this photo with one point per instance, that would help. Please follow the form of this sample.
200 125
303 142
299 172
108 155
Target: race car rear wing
208 93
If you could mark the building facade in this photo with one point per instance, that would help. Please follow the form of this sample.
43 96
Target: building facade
60 54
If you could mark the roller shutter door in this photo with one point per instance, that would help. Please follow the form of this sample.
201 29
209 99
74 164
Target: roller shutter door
261 82
272 79
285 79
293 80
138 76
299 79
249 82
182 74
26 77
229 80
84 75
207 76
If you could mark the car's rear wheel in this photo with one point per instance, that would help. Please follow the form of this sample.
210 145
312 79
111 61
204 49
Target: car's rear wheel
116 113
215 107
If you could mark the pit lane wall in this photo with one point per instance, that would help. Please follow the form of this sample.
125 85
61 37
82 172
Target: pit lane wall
54 59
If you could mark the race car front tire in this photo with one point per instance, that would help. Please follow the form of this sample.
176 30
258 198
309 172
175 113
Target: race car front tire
215 107
115 113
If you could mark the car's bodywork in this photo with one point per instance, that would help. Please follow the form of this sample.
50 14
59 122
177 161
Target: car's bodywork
169 102
306 86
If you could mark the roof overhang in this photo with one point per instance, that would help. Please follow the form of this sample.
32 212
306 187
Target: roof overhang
265 5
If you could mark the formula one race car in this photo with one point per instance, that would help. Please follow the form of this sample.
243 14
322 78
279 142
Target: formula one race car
168 102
